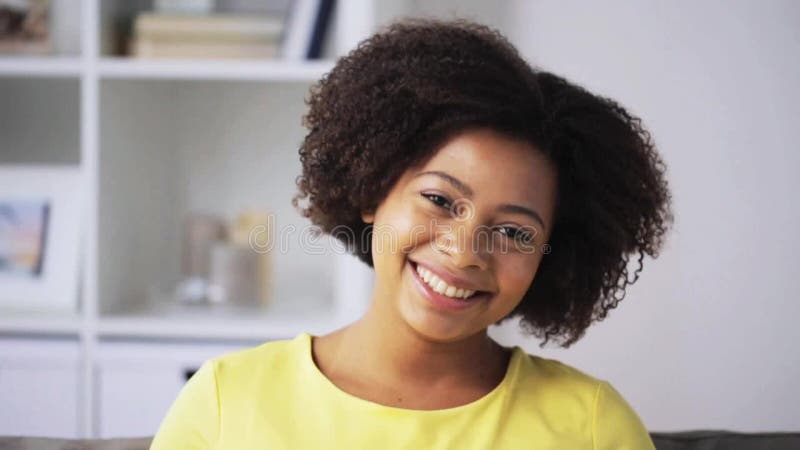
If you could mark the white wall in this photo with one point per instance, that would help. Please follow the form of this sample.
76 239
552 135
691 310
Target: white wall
707 337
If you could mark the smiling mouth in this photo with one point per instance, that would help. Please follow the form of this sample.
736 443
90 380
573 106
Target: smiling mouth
459 294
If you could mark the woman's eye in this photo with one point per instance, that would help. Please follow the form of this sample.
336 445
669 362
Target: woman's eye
438 200
518 234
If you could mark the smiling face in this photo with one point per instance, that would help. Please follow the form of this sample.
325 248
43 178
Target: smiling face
474 217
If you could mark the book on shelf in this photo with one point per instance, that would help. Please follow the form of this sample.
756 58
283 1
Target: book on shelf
207 36
295 34
322 20
225 27
218 50
308 20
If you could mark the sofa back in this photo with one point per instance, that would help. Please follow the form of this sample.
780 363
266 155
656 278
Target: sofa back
724 440
680 440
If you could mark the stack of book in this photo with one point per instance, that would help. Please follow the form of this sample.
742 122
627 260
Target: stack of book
217 36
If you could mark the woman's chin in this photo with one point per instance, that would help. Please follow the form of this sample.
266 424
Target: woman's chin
433 325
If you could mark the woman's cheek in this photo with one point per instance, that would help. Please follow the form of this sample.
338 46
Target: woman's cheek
518 272
398 229
414 228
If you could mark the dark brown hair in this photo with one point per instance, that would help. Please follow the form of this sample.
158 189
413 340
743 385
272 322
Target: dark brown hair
394 100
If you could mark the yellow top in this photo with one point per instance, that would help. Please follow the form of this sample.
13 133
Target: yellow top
273 396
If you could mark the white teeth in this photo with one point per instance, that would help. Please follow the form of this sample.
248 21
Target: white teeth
439 286
426 276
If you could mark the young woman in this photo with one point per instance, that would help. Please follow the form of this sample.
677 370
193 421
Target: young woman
479 190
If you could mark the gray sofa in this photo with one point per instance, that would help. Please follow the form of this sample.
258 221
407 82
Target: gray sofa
34 443
725 440
685 440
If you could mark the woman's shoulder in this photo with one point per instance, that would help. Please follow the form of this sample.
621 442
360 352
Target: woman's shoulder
271 356
551 386
554 373
555 385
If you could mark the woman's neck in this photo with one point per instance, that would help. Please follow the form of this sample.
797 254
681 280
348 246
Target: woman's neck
380 350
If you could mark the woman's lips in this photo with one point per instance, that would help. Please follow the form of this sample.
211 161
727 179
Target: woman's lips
448 278
440 301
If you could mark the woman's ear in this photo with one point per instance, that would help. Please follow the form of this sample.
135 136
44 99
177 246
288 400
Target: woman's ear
368 217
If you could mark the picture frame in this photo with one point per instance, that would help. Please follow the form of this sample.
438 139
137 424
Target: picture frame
40 210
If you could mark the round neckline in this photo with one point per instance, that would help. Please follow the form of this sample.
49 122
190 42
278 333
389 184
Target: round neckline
328 385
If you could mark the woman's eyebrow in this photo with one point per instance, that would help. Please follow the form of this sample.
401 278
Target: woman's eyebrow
467 192
458 184
517 209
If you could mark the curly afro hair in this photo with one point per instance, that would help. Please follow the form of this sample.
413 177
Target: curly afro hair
400 95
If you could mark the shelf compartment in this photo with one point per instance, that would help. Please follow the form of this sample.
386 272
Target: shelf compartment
40 121
172 148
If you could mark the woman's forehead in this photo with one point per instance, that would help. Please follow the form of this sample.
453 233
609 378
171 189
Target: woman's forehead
492 160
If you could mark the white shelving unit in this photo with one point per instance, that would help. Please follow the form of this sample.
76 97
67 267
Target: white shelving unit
153 141
64 66
48 325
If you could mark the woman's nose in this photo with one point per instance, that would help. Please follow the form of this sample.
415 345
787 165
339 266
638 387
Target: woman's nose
463 244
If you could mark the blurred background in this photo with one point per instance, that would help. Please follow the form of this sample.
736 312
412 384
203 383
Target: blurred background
148 147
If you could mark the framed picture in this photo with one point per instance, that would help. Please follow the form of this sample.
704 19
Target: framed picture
39 238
